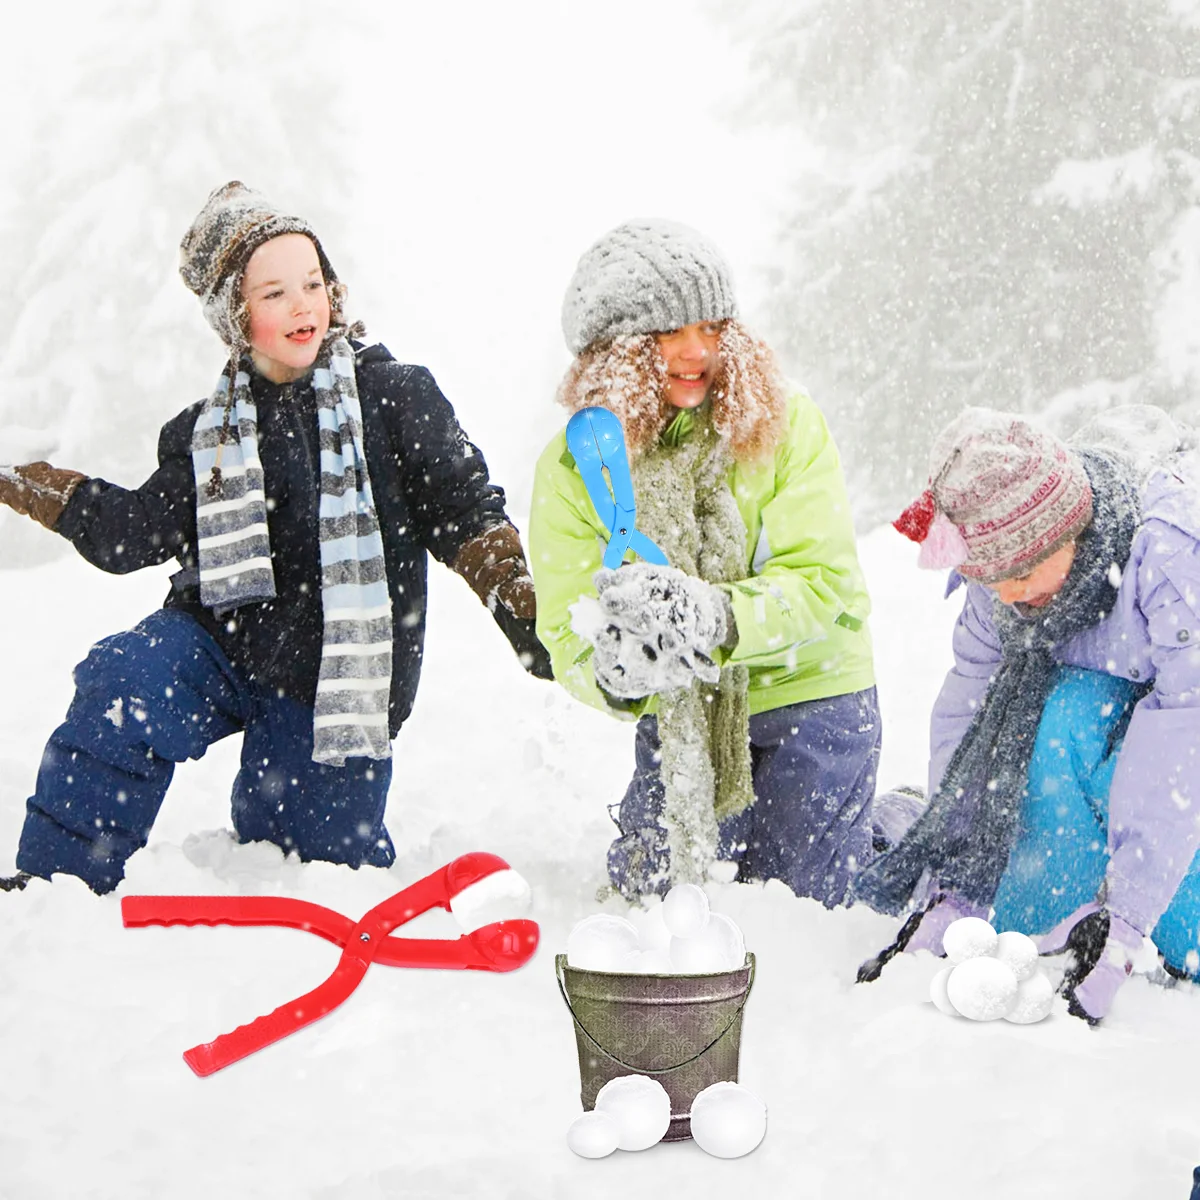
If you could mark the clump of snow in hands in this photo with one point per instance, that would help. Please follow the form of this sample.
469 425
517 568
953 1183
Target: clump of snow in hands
653 944
991 976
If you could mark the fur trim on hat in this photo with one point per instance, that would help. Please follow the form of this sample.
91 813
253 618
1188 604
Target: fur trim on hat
628 376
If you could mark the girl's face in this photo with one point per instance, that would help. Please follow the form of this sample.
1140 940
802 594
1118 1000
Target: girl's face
285 294
1042 584
693 358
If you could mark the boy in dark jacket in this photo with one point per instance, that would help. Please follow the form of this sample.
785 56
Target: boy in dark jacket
300 500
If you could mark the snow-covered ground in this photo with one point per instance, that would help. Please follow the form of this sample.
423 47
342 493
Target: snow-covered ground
430 1084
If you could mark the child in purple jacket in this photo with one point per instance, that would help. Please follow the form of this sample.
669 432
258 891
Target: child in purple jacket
1065 743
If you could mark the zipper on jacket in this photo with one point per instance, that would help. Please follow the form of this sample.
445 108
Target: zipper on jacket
297 420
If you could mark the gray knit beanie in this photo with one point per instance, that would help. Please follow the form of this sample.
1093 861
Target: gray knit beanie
233 223
645 277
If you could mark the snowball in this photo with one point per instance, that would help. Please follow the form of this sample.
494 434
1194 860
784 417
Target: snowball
685 910
728 1120
1019 952
640 1107
718 947
1035 998
982 988
602 943
593 1135
653 933
649 962
495 897
968 937
937 992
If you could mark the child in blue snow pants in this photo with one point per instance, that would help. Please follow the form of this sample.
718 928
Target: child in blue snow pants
810 822
1059 859
164 692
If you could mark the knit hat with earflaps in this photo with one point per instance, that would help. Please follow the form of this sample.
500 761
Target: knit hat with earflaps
645 277
1003 495
233 223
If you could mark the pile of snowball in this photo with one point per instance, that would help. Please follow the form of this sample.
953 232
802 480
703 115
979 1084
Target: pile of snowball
680 936
633 1112
991 976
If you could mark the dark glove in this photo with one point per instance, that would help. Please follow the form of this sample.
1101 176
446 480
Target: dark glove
923 930
523 638
493 563
1101 947
38 490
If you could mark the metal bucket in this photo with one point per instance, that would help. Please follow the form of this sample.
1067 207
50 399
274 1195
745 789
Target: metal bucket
683 1030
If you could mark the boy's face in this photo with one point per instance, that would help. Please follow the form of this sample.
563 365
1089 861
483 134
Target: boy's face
692 355
288 306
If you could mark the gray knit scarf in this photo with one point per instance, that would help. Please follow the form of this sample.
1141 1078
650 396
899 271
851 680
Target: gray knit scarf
350 713
685 505
964 836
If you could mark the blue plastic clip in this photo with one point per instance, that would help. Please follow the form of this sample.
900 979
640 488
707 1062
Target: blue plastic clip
597 441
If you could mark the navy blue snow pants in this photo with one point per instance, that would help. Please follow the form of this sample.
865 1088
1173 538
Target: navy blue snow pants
161 693
814 770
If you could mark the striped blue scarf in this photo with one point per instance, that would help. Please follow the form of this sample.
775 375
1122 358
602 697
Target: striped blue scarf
350 715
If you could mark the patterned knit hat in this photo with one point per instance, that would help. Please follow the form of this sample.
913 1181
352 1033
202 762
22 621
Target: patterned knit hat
233 223
1002 497
645 277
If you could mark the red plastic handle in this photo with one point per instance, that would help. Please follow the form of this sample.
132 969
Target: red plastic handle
210 1057
137 911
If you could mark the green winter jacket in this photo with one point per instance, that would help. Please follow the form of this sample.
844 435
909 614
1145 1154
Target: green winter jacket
802 608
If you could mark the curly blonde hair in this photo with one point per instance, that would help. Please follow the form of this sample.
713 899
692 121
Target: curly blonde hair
628 376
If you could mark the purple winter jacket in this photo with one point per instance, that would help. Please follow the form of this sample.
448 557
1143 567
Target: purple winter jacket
1152 635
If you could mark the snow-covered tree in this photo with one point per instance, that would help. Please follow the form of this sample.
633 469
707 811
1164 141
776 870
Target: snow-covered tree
157 105
1002 210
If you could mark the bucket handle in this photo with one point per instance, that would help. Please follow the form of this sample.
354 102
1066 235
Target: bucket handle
651 1070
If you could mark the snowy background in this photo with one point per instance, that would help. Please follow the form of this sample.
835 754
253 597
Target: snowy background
457 159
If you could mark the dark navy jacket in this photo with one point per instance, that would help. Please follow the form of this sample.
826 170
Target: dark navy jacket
431 492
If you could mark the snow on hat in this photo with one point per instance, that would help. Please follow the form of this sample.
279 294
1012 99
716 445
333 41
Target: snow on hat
645 277
1003 495
233 223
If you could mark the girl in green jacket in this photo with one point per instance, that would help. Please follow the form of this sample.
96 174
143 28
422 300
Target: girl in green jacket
747 661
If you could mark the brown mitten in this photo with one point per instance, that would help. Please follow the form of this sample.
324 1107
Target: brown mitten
494 565
38 490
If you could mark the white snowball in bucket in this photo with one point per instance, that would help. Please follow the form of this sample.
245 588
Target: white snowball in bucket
982 989
1019 952
685 910
653 933
641 1108
718 947
649 962
495 897
602 943
593 1135
968 937
937 992
1035 999
728 1120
